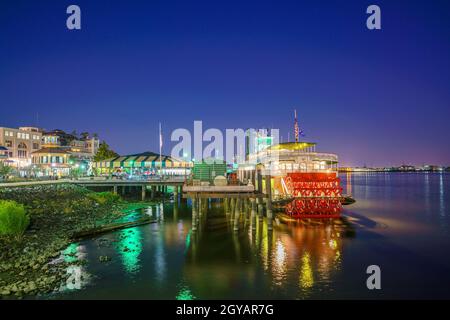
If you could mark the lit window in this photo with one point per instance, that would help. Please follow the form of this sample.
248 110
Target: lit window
22 153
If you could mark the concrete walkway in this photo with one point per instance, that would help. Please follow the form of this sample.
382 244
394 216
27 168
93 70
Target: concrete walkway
96 182
32 183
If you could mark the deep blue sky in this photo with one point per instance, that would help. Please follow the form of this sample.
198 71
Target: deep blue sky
373 97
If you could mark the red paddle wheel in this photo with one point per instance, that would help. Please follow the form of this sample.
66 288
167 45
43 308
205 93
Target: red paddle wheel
317 195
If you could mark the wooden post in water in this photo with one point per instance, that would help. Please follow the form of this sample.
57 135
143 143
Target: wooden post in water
269 212
237 214
226 206
269 187
175 193
258 183
194 214
248 208
143 192
232 206
253 213
260 208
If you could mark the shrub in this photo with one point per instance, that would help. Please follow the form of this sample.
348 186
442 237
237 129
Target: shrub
104 197
13 218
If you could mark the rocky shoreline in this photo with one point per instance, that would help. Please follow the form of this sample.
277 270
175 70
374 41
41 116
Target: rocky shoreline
57 213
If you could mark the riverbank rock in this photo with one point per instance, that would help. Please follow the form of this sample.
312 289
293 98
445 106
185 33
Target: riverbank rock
104 258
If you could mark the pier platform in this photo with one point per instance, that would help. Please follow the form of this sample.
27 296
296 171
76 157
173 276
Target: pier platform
229 191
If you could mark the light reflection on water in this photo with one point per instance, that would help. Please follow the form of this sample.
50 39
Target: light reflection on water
129 248
399 219
279 266
441 195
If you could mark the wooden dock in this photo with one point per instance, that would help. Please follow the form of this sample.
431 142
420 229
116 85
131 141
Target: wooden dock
219 192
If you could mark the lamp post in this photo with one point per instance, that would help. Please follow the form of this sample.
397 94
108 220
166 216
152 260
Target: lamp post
131 168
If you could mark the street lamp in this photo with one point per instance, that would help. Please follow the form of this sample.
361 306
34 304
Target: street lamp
132 166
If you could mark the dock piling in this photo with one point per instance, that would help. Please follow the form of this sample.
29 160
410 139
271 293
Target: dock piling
194 214
260 208
143 192
269 214
253 213
237 215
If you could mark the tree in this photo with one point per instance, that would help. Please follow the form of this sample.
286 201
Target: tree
4 170
75 172
74 133
84 135
104 152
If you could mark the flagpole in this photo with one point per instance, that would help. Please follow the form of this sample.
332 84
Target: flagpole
160 151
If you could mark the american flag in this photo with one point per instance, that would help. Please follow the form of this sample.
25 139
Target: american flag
160 136
296 129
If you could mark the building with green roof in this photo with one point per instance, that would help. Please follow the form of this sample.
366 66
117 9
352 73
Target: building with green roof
144 163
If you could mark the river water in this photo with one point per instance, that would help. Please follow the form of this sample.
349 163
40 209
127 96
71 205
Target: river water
400 223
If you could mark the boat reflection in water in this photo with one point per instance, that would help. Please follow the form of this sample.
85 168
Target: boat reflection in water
290 260
300 254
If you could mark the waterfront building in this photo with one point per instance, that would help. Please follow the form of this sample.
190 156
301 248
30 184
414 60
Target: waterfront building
25 146
52 161
360 169
144 164
3 153
61 151
20 144
83 148
432 168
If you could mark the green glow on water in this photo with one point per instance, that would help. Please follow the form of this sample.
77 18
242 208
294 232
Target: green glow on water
70 253
188 241
185 294
130 248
